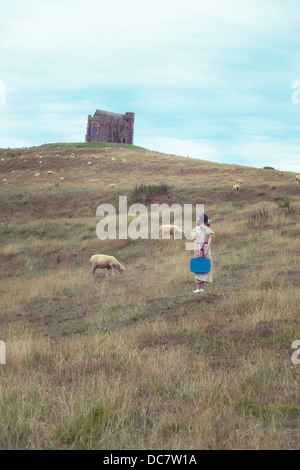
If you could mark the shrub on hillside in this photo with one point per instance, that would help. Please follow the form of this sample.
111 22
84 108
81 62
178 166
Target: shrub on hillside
258 217
145 192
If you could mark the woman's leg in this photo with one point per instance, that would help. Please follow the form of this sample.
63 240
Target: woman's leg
199 284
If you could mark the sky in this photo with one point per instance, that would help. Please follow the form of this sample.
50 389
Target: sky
217 80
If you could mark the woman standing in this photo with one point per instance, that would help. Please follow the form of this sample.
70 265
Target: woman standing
202 236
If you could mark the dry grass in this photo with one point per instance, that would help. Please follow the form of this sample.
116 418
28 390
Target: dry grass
137 361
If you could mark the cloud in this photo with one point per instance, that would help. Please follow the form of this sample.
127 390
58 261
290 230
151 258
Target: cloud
258 152
261 151
204 78
193 148
81 44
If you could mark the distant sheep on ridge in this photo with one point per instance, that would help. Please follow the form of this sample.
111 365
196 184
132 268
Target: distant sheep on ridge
236 188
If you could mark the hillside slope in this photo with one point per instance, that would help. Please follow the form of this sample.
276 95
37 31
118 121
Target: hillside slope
138 361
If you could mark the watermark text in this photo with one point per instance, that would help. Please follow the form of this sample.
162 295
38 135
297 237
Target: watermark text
295 356
2 92
296 94
136 222
2 352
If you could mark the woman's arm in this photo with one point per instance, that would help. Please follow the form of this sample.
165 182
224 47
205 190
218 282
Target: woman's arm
209 242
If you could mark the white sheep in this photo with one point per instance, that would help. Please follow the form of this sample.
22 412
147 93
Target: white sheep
37 174
106 262
89 163
61 178
112 185
171 230
236 188
239 181
49 172
298 178
5 180
113 158
124 160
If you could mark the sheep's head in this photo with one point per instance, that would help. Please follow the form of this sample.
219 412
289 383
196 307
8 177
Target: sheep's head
121 269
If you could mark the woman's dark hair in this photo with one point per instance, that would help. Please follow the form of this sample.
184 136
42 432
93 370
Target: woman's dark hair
202 219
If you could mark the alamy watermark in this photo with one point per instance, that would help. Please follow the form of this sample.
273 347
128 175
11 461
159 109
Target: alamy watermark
295 358
2 353
296 94
2 92
136 222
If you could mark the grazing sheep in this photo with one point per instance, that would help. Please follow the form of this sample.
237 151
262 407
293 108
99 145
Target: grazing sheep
37 174
61 178
89 163
106 262
172 230
113 158
2 159
298 178
50 172
112 185
239 181
28 171
124 160
236 188
5 180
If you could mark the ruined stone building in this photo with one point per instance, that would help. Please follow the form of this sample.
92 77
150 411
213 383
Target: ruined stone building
110 127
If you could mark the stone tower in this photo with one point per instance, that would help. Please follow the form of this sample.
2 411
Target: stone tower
110 127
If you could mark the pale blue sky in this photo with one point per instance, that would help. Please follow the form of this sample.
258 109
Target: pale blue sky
212 80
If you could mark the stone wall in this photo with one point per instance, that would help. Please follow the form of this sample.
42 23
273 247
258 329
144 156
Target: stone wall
110 127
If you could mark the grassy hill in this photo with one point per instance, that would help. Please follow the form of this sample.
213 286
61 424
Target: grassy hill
138 361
